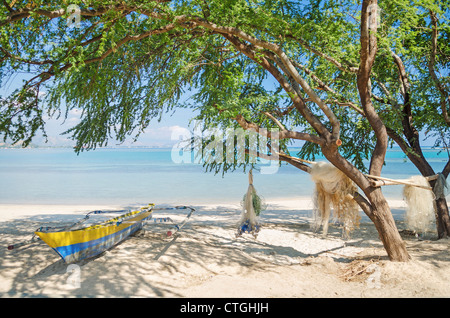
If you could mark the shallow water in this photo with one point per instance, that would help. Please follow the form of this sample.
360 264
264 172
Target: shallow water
139 176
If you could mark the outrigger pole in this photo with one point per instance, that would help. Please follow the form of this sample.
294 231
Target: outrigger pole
177 227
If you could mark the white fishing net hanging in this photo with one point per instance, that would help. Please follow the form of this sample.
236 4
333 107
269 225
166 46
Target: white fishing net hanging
419 215
333 190
252 204
441 188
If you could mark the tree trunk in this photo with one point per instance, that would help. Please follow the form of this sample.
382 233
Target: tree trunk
417 157
442 218
379 211
384 222
442 213
419 160
376 208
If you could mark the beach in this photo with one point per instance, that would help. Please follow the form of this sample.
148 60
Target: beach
311 138
206 259
288 259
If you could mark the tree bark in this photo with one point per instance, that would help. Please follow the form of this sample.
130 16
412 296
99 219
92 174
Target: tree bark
412 136
377 208
384 222
442 218
442 211
419 160
380 212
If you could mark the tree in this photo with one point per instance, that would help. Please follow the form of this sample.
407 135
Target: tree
408 94
413 84
409 82
130 61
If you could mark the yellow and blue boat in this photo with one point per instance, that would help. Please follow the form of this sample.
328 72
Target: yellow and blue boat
79 244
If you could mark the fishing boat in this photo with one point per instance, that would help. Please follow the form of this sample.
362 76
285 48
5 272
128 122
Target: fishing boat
74 244
78 244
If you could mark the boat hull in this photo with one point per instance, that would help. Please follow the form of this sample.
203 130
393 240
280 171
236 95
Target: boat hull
77 245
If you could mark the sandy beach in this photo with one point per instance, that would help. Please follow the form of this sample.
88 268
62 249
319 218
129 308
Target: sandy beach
287 259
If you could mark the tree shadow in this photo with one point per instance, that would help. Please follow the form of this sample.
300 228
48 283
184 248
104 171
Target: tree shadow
151 264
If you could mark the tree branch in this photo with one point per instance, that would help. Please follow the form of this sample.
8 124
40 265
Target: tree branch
232 31
327 88
446 170
291 160
51 72
367 57
18 58
283 134
16 15
445 96
363 203
274 56
340 66
279 124
298 102
7 6
409 131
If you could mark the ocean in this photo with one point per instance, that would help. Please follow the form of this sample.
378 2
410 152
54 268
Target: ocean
134 176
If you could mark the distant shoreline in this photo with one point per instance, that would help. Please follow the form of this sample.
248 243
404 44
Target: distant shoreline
166 147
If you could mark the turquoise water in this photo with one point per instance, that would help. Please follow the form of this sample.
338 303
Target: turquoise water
139 176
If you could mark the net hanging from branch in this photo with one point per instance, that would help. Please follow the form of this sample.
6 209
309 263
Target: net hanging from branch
441 188
419 214
333 190
252 205
419 197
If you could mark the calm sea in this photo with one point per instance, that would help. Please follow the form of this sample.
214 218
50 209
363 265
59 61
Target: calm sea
139 176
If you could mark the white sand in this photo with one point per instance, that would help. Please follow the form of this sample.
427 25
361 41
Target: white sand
206 260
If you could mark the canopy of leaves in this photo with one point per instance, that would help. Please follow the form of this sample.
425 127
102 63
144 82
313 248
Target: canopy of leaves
128 63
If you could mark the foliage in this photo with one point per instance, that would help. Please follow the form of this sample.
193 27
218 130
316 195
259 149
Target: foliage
130 62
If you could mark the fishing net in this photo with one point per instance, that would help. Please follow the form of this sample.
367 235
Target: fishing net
259 204
441 188
419 214
333 189
252 205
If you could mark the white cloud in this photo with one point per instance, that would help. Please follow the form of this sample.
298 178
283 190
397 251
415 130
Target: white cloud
160 136
75 112
164 132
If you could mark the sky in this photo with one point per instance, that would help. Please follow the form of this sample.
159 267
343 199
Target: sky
158 134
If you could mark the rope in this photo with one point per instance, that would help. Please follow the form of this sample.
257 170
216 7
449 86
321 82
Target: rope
250 176
296 158
439 175
399 182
